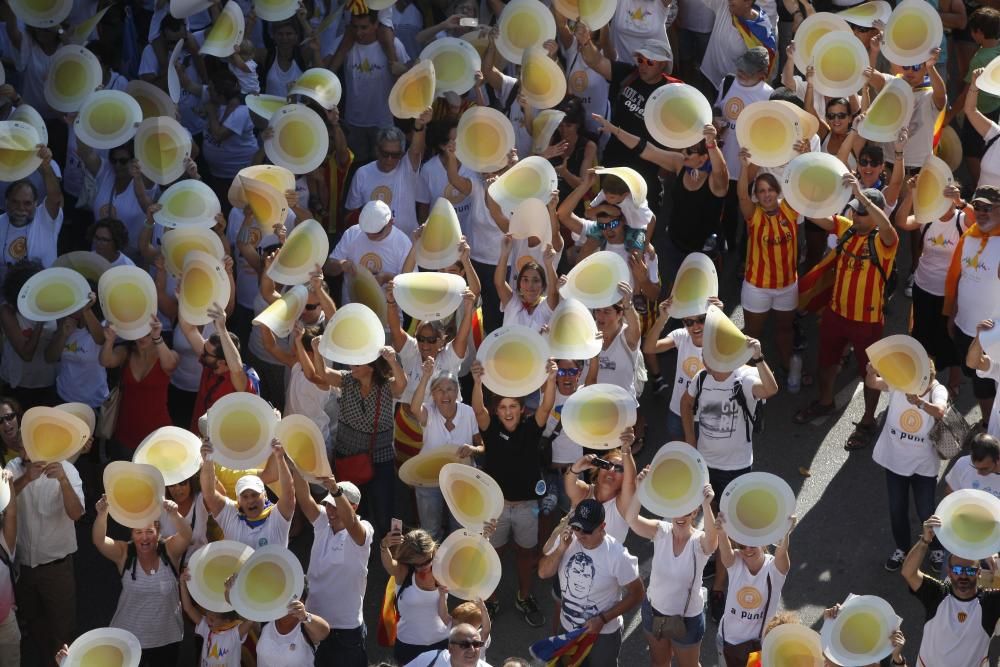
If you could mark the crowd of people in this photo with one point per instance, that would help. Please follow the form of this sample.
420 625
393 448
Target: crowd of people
385 176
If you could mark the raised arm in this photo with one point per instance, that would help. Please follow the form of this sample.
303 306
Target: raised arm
981 123
976 358
53 188
417 401
310 509
113 550
232 356
548 395
640 525
460 345
286 503
588 51
726 553
672 161
911 564
177 544
214 500
504 290
478 405
419 141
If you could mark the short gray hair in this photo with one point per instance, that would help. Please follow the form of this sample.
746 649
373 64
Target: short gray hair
444 377
390 134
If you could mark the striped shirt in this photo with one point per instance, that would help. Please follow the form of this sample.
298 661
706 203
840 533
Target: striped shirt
858 286
772 248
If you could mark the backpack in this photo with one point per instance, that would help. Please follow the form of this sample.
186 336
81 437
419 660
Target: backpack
754 423
958 227
132 560
888 281
508 103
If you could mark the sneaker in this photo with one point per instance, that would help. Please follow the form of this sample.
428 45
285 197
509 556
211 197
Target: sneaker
533 616
660 384
717 605
493 607
937 557
895 560
908 290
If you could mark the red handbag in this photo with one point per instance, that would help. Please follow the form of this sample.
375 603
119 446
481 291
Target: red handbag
360 468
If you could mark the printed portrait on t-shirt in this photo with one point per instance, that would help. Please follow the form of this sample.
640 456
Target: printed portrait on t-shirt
718 419
578 581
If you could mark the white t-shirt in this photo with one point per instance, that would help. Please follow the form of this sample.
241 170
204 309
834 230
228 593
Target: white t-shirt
903 446
724 46
591 581
588 85
486 236
617 364
749 593
196 517
688 364
33 63
446 361
564 450
338 574
522 137
398 189
236 151
939 240
732 104
303 397
279 80
190 103
515 313
291 650
433 183
80 378
921 130
438 659
722 436
978 295
436 436
274 530
419 623
671 577
122 205
249 82
386 255
221 649
963 475
993 428
36 240
989 169
44 532
247 287
367 77
638 21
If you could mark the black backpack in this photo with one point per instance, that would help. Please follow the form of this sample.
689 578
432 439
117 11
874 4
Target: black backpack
494 101
958 227
754 423
888 281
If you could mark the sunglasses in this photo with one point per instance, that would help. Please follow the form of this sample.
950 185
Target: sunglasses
694 151
868 162
969 571
429 340
912 68
643 60
8 418
567 372
839 115
691 321
312 306
392 155
610 224
469 643
982 208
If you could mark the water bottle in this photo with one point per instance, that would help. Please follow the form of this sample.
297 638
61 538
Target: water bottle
795 374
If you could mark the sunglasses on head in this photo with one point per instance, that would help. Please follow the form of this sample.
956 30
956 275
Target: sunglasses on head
838 115
980 207
429 340
468 643
691 321
643 60
967 570
610 224
868 162
8 418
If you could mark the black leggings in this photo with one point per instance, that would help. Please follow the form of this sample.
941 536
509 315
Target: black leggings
161 656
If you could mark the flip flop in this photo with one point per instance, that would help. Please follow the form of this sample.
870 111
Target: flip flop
861 436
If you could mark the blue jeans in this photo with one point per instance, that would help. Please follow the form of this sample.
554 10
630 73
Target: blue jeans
379 496
675 426
344 648
434 513
899 488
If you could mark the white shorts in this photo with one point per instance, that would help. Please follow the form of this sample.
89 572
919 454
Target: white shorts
761 300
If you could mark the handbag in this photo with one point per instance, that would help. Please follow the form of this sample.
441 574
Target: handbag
737 655
949 433
672 626
107 421
359 468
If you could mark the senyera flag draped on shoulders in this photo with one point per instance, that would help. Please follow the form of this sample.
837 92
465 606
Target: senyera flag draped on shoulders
571 647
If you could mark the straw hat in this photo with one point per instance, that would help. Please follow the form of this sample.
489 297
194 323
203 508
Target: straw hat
81 410
813 185
809 33
595 416
437 247
522 25
676 115
173 78
52 294
161 145
107 118
473 497
179 242
889 112
282 314
840 60
543 127
128 300
424 469
88 264
269 206
913 29
532 177
594 13
573 332
203 283
902 362
428 295
413 92
240 428
188 203
949 148
514 360
674 485
18 150
757 506
73 74
543 83
275 10
300 141
696 282
210 566
152 100
303 442
175 452
319 84
277 177
929 202
456 62
860 633
467 564
265 105
633 179
970 523
865 15
266 583
41 13
363 288
594 281
226 32
531 219
307 246
52 435
792 645
107 647
724 347
989 80
353 336
135 493
484 138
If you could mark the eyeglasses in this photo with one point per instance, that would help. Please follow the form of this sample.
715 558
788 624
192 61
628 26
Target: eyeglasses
839 115
643 60
969 571
103 239
312 306
428 340
119 160
8 418
691 321
469 643
979 207
567 372
868 162
391 155
610 224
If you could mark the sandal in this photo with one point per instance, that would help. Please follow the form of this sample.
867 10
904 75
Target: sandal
861 436
812 411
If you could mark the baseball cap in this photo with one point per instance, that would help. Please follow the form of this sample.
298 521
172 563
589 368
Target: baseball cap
351 492
249 483
655 49
874 196
753 61
588 516
374 216
987 193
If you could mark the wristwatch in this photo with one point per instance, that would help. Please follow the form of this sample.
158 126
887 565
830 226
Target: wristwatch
338 493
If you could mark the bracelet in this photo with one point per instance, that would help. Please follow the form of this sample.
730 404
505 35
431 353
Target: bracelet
570 471
710 145
758 360
338 493
641 146
158 341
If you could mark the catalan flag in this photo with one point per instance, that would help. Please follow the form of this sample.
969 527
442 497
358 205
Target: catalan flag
570 648
388 617
759 32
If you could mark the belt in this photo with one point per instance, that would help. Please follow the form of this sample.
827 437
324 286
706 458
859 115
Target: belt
51 562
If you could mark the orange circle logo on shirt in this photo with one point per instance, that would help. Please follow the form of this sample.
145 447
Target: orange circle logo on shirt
749 597
734 107
453 195
578 81
372 262
911 421
254 236
382 193
18 248
691 366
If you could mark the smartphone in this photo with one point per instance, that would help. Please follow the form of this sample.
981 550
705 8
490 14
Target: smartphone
468 22
396 526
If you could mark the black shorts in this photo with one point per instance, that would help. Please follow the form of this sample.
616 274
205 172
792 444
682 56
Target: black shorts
982 388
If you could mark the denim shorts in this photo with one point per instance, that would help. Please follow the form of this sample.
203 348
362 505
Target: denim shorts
695 625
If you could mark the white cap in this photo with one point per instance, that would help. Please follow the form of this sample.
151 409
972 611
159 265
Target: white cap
249 483
374 216
351 493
